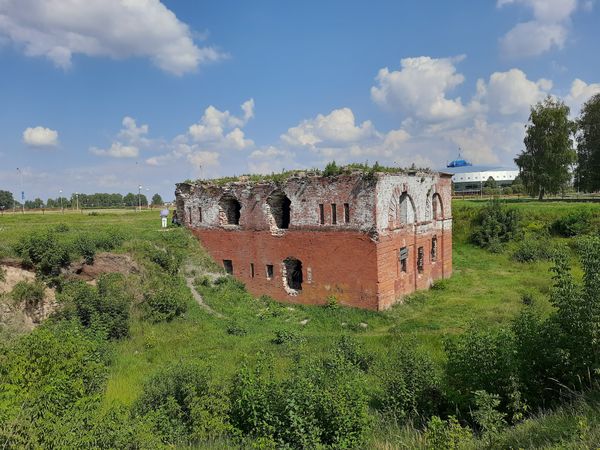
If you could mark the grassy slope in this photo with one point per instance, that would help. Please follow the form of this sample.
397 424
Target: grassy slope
485 289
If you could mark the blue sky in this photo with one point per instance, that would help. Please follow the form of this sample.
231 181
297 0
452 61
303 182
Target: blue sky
103 95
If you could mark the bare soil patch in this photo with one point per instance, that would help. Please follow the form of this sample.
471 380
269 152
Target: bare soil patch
103 263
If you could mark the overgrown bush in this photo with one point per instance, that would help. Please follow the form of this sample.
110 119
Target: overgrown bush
183 406
168 260
495 225
448 434
574 223
411 386
110 239
482 360
164 299
43 376
352 352
104 308
30 294
532 249
286 337
44 252
85 246
316 406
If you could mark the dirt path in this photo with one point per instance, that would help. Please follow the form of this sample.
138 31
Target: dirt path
189 281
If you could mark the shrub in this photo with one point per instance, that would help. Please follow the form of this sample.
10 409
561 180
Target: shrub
104 308
169 261
61 228
352 352
331 302
494 225
286 337
573 224
532 249
236 330
314 407
487 416
85 246
410 386
332 170
447 434
182 405
109 239
164 299
29 294
44 252
482 360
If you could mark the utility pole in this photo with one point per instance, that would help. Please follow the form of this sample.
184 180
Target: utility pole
22 191
61 202
140 198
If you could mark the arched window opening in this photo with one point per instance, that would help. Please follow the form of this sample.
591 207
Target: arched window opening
401 210
438 212
231 207
293 273
280 209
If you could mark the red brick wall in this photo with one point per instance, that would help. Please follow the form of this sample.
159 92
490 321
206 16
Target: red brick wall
393 283
342 263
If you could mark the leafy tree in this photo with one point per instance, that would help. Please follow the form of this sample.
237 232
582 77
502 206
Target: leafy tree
491 183
587 174
157 200
6 200
548 154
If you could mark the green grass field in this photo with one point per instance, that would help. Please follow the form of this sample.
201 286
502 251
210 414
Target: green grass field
485 291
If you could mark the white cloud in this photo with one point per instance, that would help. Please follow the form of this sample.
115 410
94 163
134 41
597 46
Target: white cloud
40 137
420 87
272 159
549 29
117 150
580 93
131 132
58 29
222 129
336 128
203 159
511 92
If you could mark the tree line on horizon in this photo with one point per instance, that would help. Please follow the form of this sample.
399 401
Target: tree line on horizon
97 200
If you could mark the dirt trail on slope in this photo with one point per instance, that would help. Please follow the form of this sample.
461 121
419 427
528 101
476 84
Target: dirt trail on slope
189 281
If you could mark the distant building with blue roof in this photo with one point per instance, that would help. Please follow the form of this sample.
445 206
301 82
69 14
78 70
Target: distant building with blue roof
469 178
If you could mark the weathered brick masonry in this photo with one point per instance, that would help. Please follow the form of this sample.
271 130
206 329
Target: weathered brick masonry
367 239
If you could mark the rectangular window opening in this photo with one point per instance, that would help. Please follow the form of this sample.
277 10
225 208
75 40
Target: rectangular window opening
228 266
420 259
347 212
321 214
333 214
269 271
252 270
189 215
199 213
434 249
403 257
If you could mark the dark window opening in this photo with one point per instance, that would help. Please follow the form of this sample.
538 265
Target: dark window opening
403 257
232 208
199 214
189 215
228 266
333 214
252 270
269 271
434 248
346 212
280 209
321 214
420 258
293 269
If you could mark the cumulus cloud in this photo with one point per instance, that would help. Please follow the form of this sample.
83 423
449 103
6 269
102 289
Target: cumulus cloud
580 93
421 87
58 29
117 150
337 127
40 137
549 28
128 141
511 92
223 129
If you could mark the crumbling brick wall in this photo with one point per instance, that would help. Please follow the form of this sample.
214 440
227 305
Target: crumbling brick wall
345 232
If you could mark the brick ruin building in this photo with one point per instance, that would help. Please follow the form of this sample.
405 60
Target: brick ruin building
365 238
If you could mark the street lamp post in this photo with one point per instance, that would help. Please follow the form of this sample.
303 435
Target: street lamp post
61 201
140 198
